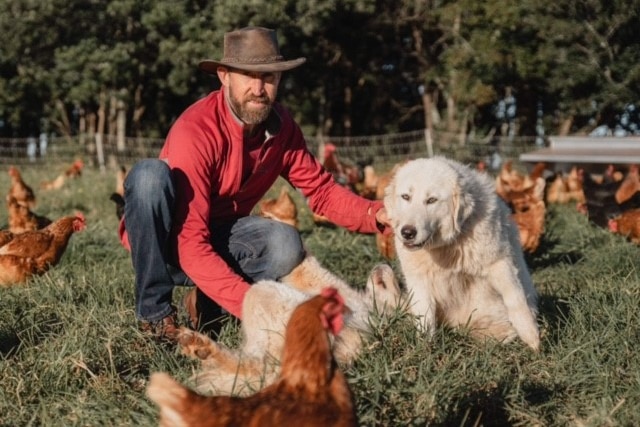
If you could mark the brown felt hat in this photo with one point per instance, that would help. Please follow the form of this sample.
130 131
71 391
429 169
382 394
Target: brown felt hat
251 49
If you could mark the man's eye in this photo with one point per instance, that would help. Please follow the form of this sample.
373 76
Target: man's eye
269 77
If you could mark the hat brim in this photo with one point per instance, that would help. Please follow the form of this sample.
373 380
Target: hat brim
210 66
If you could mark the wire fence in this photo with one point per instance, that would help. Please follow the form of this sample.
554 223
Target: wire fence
107 152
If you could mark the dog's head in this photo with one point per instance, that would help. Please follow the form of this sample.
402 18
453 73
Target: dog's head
427 202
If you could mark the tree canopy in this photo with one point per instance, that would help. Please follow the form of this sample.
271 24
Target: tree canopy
372 66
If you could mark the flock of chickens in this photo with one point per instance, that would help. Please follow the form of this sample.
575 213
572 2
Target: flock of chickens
610 199
32 244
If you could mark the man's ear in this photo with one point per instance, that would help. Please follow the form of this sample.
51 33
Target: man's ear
223 75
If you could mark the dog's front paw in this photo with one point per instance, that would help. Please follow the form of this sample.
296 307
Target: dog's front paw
426 327
195 344
529 334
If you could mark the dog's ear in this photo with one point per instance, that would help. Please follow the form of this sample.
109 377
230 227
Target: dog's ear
455 209
462 206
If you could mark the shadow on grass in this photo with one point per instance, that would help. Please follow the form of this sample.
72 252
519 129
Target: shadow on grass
482 407
488 408
9 343
547 255
555 311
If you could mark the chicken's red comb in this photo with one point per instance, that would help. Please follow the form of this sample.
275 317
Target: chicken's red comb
79 223
332 312
329 292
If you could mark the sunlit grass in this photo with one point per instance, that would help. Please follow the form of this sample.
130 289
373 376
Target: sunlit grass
70 353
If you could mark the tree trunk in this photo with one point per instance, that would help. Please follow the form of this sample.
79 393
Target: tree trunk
565 126
428 121
138 111
62 123
451 103
464 127
121 126
111 124
99 135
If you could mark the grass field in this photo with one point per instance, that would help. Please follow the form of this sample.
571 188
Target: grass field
70 353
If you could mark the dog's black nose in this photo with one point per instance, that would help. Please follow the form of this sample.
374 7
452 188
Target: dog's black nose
408 232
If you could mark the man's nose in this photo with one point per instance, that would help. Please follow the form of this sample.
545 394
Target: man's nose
257 85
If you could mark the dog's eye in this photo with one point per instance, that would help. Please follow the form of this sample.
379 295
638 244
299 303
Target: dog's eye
406 197
431 200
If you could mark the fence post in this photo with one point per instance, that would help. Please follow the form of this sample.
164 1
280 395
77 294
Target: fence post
100 151
429 141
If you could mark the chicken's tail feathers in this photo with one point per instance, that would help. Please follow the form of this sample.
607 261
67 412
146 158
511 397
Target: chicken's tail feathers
169 395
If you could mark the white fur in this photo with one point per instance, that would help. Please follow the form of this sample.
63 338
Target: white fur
460 252
266 310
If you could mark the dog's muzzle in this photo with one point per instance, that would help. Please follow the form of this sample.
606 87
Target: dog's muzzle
408 234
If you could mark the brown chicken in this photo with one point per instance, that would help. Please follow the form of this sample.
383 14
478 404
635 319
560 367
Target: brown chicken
282 208
530 222
510 183
19 190
369 186
73 171
34 252
349 176
557 190
5 237
601 202
508 180
526 200
311 390
627 224
55 184
567 188
22 219
629 186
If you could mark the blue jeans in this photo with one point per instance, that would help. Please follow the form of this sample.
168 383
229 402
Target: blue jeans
256 248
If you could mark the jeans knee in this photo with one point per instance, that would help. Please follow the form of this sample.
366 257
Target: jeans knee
148 177
286 249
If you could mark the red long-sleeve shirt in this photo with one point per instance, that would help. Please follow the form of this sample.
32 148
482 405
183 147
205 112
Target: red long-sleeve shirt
206 151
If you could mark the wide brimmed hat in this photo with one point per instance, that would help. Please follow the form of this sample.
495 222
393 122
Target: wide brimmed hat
251 49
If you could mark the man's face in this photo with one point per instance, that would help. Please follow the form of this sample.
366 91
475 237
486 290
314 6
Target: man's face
251 93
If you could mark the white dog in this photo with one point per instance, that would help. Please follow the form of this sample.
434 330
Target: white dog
267 307
460 252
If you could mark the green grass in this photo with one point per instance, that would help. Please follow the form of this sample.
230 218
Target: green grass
70 353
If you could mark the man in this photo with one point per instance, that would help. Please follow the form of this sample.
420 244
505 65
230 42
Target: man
187 214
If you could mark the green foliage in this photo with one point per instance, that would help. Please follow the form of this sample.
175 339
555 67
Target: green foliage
70 353
367 60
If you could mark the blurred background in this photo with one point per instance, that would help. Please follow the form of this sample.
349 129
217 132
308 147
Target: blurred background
384 79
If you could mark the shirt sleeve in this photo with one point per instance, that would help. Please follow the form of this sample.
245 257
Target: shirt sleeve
191 161
326 197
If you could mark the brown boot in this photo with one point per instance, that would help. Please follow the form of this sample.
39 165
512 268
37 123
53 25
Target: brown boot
203 314
189 305
165 329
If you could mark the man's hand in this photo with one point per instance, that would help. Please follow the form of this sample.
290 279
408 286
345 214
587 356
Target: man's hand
382 218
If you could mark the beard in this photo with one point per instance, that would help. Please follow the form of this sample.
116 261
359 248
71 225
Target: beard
250 116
